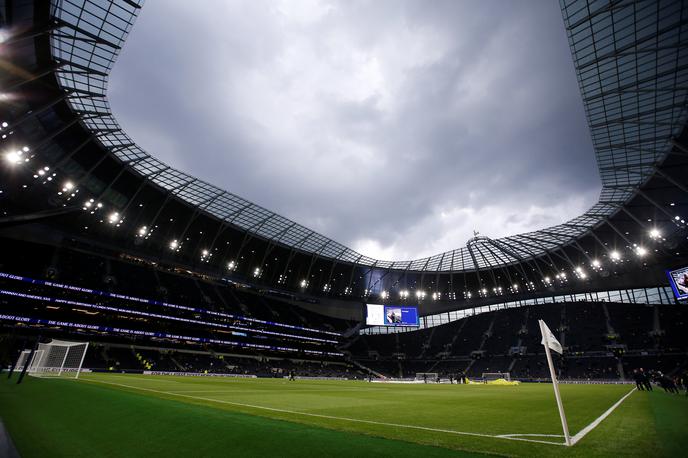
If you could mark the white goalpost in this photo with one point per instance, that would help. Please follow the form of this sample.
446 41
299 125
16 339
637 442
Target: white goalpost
491 376
426 376
58 358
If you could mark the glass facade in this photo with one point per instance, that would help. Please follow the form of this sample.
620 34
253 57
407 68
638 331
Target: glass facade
659 295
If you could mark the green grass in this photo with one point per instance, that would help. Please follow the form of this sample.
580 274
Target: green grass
128 415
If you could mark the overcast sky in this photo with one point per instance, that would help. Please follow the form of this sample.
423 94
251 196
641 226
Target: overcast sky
394 127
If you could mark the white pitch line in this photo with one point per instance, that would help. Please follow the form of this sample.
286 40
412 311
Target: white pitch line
306 391
599 419
329 417
536 435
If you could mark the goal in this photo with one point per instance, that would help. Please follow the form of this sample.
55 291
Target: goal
426 376
58 358
491 376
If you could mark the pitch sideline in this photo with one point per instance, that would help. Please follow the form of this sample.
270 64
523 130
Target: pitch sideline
583 432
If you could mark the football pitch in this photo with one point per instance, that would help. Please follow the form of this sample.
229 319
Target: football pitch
137 415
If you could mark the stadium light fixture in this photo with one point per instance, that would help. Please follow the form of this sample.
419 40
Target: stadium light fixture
383 294
68 186
204 253
113 217
435 296
596 263
143 231
256 272
615 255
303 283
655 233
13 157
232 265
4 124
174 244
641 251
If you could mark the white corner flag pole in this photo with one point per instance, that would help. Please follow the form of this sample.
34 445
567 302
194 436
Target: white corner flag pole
545 337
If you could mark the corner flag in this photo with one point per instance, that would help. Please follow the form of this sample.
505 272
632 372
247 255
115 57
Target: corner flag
549 341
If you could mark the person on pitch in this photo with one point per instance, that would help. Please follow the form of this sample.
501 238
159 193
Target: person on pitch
637 376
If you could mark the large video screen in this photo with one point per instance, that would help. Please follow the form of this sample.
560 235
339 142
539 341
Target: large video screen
391 315
679 282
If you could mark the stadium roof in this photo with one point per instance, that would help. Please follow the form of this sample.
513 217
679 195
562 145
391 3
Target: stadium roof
631 62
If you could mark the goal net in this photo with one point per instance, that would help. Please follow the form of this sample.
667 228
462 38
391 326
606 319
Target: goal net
426 376
492 376
58 358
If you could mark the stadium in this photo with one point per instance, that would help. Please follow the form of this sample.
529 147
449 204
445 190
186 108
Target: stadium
144 311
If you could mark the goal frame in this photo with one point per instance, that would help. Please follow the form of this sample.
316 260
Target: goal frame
431 376
52 359
492 376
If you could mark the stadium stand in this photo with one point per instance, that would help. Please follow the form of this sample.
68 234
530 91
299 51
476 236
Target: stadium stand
509 341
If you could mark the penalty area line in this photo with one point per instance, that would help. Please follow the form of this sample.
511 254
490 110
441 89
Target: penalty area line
328 417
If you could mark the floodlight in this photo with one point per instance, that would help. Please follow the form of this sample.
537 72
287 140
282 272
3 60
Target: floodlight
13 157
641 251
68 186
383 294
596 263
615 255
304 283
143 231
655 233
231 265
174 245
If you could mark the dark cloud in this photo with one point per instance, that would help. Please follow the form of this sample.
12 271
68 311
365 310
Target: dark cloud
395 127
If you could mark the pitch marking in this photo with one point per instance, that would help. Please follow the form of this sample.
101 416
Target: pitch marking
329 417
581 434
